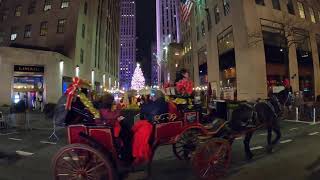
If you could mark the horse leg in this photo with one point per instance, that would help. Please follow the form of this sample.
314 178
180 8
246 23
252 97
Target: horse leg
246 143
269 138
277 130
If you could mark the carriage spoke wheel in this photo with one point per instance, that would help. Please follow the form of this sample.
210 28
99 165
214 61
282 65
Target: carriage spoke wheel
186 144
211 160
81 162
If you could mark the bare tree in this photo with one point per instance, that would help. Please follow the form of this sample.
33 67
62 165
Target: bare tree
290 28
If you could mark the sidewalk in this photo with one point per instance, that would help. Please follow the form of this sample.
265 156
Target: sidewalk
29 121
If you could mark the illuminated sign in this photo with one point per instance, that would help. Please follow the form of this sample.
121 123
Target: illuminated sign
37 69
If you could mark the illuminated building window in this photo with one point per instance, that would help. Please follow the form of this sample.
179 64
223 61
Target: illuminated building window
301 10
44 28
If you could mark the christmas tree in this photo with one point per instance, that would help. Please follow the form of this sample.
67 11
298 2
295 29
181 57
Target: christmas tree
138 80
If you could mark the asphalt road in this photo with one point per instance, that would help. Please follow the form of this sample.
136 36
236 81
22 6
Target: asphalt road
27 156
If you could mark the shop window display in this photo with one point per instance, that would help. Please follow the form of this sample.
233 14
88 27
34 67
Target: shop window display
305 64
227 65
276 55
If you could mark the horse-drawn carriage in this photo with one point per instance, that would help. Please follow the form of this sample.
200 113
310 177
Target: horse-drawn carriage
93 155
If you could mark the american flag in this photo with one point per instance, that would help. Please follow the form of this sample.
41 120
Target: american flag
186 7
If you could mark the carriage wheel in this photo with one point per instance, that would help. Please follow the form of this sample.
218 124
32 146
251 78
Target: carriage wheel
81 162
186 144
211 160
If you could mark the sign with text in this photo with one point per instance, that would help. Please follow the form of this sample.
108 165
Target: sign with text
36 69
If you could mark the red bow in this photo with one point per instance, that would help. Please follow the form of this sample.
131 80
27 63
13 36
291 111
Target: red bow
184 87
71 91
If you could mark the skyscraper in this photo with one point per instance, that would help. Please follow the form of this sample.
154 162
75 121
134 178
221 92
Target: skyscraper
154 65
168 26
127 42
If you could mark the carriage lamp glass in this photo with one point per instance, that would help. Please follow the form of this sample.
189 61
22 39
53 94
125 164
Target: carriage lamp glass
77 71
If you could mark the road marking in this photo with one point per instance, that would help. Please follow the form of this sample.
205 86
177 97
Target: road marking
239 138
5 134
256 148
285 141
263 134
314 133
48 142
24 153
15 139
292 129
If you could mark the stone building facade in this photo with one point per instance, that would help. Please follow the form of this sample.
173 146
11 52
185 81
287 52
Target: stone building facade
251 47
85 33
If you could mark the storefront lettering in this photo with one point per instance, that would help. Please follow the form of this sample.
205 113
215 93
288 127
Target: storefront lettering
28 68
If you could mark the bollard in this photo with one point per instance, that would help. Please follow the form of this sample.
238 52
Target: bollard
314 115
297 114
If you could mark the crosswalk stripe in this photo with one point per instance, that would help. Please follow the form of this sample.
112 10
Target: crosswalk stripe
47 142
5 134
314 133
285 141
263 134
256 148
292 129
239 138
24 153
15 139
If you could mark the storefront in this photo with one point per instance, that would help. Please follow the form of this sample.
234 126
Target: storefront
227 65
34 76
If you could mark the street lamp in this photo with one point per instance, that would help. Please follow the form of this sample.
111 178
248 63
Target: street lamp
77 71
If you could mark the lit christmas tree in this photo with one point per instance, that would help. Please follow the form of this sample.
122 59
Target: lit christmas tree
138 80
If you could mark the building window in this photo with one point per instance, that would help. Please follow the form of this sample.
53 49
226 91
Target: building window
260 2
64 3
209 19
2 35
290 7
317 40
276 4
47 5
4 15
17 11
305 63
203 30
217 14
81 56
227 62
312 16
83 30
44 28
61 25
226 7
85 9
301 10
27 31
14 33
32 7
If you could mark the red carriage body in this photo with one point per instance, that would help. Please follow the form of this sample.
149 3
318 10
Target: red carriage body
179 132
92 152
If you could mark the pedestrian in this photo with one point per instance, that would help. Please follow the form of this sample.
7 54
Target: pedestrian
40 100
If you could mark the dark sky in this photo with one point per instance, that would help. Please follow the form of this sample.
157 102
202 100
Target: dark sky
146 33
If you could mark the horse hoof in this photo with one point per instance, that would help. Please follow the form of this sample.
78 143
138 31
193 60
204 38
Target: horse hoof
249 157
269 149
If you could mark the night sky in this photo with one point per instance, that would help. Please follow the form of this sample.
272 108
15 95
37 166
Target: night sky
146 34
